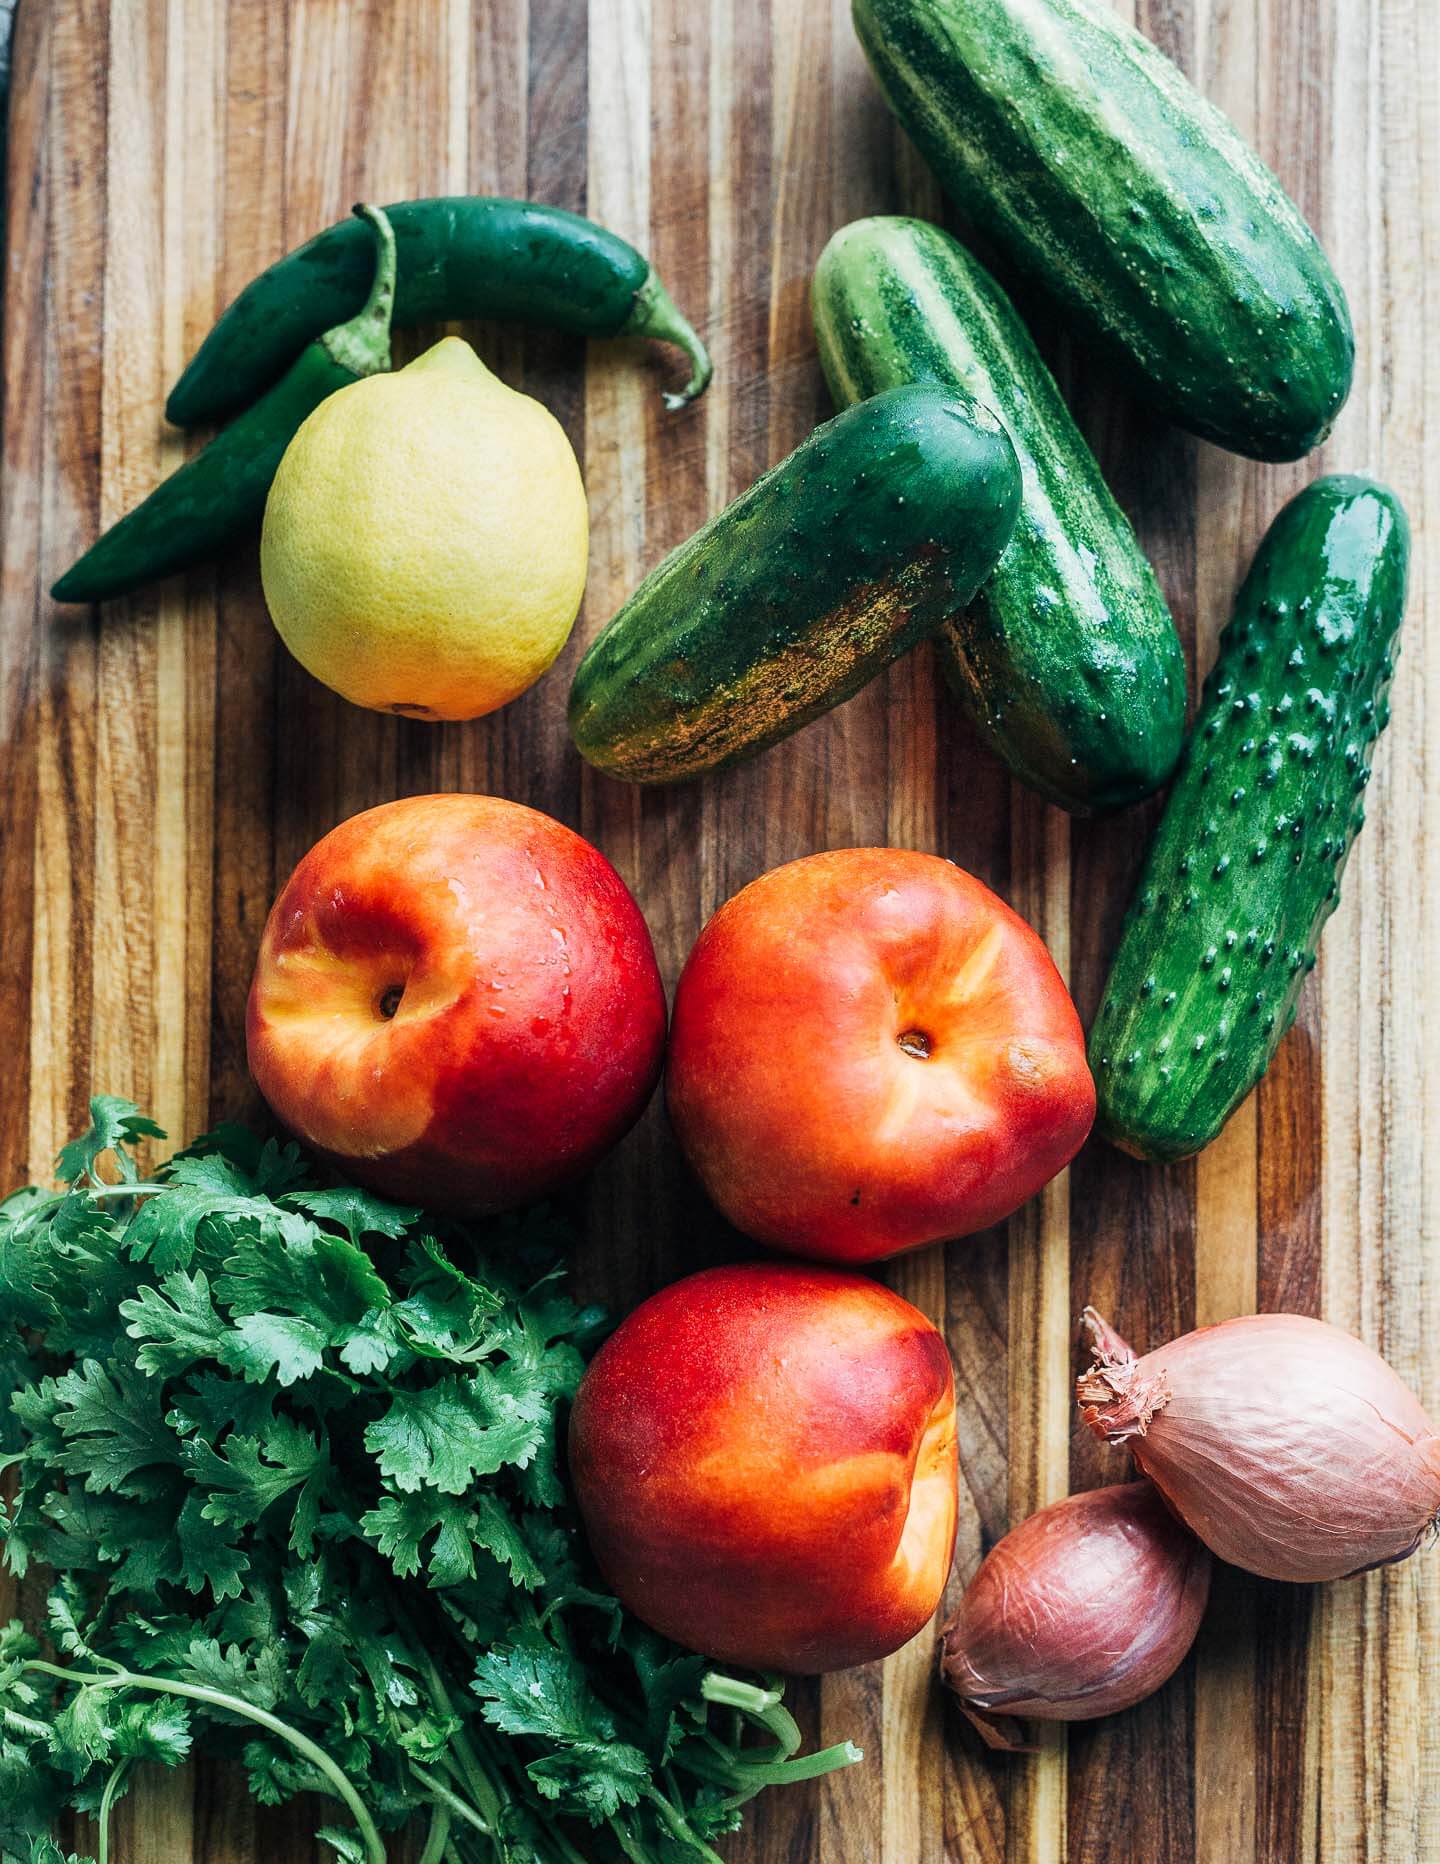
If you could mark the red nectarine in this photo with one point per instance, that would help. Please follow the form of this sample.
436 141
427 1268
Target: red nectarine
764 1456
457 1001
870 1051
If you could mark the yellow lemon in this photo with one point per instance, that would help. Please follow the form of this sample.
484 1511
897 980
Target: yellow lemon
425 539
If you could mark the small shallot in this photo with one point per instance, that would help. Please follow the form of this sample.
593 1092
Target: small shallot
1085 1608
1286 1444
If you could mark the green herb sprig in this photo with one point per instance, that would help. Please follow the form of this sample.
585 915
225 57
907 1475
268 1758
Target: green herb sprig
288 1456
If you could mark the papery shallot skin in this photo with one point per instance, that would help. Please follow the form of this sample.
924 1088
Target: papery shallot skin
1289 1446
1083 1609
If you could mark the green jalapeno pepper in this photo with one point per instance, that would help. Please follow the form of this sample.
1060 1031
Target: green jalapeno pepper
221 492
460 256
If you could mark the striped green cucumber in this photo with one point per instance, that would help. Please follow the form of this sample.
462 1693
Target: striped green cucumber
1067 658
1079 148
832 564
1245 866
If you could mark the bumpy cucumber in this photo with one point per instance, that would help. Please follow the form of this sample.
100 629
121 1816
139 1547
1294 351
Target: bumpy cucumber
834 563
1067 658
1082 150
1246 863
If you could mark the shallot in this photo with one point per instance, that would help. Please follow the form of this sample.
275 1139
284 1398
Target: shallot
1286 1444
1085 1608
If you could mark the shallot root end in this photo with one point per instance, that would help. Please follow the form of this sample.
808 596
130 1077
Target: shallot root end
1104 1342
1115 1399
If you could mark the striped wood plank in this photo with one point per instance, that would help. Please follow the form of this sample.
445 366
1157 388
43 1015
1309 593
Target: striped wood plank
162 773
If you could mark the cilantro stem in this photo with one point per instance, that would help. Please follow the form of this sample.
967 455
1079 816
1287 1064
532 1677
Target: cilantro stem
450 1802
570 1854
98 1193
437 1840
247 1711
680 1829
626 1843
764 1706
737 1694
753 1776
477 1777
107 1801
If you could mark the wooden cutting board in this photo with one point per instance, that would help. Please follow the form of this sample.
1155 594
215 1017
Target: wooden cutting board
162 767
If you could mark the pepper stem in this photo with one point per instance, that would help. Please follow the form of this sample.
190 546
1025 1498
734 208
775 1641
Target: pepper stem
362 345
656 314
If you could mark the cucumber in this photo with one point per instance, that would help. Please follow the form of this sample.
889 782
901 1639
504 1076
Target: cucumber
1080 149
1245 866
830 566
1067 659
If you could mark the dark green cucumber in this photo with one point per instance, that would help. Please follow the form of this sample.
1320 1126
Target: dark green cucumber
1246 863
1082 150
1067 658
834 563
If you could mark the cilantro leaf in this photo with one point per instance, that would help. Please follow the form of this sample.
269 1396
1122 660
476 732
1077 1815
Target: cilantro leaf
343 1842
112 1425
116 1126
259 1345
82 1732
44 1850
165 1228
259 1678
356 1212
154 1728
276 1775
208 1552
495 1529
400 1524
27 1262
372 1344
446 1314
447 1434
670 1681
64 1608
214 1174
596 1777
210 1403
248 1475
540 1690
261 1168
176 1321
293 1266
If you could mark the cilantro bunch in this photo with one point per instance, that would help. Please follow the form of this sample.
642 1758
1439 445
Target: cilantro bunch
286 1455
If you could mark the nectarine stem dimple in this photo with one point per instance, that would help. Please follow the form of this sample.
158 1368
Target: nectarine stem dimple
390 1000
915 1042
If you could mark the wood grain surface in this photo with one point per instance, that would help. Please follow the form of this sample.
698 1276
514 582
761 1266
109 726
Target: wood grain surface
163 764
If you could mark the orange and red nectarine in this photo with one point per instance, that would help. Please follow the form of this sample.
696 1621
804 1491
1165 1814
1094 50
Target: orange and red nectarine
870 1051
764 1456
457 1002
